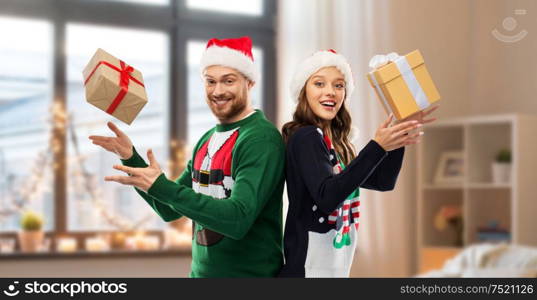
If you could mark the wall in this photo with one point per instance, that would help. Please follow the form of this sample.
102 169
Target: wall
475 73
504 75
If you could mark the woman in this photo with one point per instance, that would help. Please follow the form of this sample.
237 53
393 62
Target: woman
323 173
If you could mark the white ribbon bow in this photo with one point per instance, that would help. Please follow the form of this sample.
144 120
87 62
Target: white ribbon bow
380 60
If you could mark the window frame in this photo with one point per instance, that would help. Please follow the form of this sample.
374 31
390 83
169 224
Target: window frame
175 20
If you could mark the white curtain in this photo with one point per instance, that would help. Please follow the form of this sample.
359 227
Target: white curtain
358 30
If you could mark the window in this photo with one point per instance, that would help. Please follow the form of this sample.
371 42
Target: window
92 202
243 7
152 2
25 96
200 117
41 63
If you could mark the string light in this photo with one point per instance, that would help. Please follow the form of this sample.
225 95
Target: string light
93 189
83 180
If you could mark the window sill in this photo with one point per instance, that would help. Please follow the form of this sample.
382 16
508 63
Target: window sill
186 251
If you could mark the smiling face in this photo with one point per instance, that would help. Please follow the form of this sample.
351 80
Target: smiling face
325 92
227 93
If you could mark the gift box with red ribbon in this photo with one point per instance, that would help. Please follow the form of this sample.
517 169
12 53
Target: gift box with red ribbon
114 87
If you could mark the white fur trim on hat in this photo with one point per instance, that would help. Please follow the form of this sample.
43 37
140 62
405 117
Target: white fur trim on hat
227 57
317 61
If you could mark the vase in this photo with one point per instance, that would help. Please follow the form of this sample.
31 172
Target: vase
501 172
31 241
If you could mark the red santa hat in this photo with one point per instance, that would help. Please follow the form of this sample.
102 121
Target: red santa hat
317 61
233 53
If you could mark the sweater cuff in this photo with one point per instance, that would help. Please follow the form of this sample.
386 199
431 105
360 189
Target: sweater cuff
135 160
400 149
162 188
376 148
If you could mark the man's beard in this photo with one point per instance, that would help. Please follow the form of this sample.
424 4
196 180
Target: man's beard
238 105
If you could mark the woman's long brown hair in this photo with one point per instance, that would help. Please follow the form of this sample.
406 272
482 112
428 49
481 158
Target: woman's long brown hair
340 126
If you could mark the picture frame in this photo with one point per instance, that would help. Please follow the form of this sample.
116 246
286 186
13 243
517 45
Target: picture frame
450 169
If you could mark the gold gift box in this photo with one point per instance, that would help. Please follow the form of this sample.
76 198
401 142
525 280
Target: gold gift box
114 87
399 98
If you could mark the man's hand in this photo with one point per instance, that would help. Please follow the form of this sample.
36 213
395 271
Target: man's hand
142 178
120 144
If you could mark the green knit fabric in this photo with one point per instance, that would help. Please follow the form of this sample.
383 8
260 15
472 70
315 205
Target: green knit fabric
250 219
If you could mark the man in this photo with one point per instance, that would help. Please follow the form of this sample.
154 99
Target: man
232 187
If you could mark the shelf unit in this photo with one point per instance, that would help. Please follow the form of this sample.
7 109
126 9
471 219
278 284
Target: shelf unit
512 205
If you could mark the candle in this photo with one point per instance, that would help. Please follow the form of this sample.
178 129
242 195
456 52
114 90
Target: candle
174 239
130 243
66 245
7 245
141 241
118 240
150 243
96 244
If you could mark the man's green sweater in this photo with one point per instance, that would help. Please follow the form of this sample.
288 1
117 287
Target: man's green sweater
232 190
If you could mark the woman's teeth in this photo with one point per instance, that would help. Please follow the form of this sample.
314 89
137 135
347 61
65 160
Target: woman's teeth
328 103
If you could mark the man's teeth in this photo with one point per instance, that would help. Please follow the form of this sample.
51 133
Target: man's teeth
222 101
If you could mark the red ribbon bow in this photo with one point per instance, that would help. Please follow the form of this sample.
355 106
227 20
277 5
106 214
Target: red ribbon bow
124 79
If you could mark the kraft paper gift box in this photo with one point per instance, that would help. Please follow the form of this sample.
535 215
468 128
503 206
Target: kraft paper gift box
403 85
114 87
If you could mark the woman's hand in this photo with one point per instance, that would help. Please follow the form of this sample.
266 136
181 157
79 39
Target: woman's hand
396 136
420 116
120 144
142 178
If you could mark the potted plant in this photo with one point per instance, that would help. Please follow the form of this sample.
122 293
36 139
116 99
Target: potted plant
501 167
31 235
